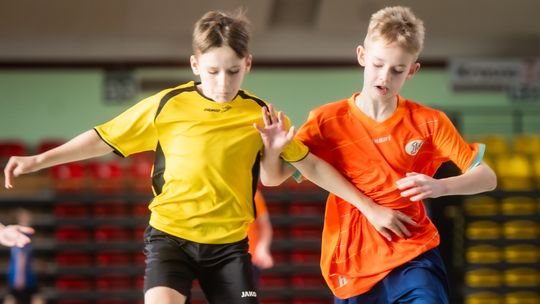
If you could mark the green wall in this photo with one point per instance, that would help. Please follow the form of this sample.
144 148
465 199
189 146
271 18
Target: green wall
47 103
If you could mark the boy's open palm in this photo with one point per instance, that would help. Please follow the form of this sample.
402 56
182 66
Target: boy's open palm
14 235
274 134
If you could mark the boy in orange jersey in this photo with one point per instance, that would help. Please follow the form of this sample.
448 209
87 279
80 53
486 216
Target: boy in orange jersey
389 147
260 238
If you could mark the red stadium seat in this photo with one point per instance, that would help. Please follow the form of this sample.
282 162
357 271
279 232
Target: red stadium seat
306 208
113 282
70 210
308 280
305 231
107 258
274 281
305 257
109 233
110 209
12 148
73 283
73 259
106 176
72 234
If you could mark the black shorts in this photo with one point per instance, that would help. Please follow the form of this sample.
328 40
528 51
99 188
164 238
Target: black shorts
224 271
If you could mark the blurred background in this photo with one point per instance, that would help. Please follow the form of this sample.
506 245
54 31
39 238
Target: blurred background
68 65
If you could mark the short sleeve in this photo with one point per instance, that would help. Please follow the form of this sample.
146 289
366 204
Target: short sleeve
449 145
134 130
295 150
310 134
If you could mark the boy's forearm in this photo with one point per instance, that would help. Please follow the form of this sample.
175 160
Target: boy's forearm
477 180
84 146
274 171
327 177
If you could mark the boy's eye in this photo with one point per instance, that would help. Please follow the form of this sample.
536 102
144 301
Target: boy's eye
377 65
212 72
234 71
398 71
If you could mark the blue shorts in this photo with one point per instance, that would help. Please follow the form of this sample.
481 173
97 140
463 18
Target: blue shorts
422 280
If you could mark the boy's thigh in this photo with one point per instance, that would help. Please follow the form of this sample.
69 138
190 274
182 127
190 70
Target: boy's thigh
422 280
231 281
167 264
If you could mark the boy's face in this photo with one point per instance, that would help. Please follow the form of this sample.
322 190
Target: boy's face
386 67
221 72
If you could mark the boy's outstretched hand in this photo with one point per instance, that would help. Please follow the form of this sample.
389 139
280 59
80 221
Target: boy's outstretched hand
420 186
274 134
16 166
14 235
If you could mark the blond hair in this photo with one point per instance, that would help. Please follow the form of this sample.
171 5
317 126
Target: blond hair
216 29
399 25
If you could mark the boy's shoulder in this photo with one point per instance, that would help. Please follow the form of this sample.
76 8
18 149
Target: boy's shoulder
420 109
331 109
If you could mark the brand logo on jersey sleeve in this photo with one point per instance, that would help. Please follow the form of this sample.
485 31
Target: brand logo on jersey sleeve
413 146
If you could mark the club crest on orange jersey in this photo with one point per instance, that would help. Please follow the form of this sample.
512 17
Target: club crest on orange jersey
413 146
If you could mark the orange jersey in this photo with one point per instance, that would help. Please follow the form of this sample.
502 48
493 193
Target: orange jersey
260 206
373 156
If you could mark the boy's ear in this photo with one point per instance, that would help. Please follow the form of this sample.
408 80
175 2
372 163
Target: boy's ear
414 68
194 64
361 55
249 61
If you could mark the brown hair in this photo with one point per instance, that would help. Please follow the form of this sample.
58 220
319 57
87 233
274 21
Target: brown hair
397 24
216 29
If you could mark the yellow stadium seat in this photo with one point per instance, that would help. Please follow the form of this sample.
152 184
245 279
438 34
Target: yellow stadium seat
528 144
483 230
484 277
521 277
483 254
484 298
495 144
480 205
522 297
521 253
514 172
518 205
536 170
520 229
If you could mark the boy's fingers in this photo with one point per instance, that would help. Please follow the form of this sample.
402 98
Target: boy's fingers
256 126
406 219
266 119
8 174
290 134
25 229
385 234
272 114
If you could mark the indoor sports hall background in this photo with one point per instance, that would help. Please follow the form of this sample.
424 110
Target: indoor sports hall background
78 63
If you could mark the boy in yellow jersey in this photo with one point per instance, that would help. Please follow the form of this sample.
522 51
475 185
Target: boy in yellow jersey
389 147
208 141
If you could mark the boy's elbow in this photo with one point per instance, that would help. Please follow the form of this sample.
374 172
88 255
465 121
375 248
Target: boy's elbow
493 184
270 182
491 180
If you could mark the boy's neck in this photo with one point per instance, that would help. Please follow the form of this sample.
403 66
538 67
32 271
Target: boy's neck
378 110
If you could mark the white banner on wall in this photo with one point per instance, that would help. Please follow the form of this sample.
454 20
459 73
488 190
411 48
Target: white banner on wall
519 77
